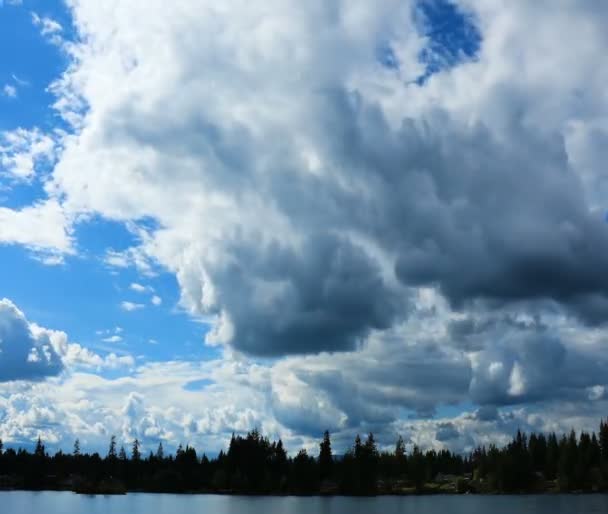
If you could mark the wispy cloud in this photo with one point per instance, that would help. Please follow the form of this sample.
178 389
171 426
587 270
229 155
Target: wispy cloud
139 288
49 28
112 339
131 306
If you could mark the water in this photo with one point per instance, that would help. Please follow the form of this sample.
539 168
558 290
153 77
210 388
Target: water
68 503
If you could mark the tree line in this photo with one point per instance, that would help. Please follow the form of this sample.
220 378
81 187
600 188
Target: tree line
253 464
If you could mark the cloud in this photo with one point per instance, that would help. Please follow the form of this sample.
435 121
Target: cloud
23 355
112 339
25 152
333 207
138 288
9 91
156 300
44 227
398 245
49 28
131 306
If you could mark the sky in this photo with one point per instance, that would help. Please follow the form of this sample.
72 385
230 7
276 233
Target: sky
356 216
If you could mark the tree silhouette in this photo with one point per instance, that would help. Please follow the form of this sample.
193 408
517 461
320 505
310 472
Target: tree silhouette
326 459
253 464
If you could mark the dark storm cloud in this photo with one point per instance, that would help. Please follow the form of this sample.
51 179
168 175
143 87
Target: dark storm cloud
484 220
478 217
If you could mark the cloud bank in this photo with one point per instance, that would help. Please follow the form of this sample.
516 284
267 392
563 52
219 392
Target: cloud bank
401 233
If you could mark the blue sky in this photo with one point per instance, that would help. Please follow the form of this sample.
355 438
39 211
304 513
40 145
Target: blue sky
358 218
82 296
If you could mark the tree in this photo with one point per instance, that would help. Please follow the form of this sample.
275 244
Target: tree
122 454
603 439
39 451
400 458
358 447
135 453
369 464
112 449
76 451
326 460
160 452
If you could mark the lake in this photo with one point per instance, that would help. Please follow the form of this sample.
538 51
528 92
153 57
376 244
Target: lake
18 502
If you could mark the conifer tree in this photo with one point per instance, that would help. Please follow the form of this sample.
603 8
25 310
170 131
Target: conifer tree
325 457
112 448
160 452
76 451
135 453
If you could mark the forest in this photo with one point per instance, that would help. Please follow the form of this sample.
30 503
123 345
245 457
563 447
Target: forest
253 464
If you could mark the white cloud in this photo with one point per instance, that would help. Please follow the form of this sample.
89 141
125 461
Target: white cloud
112 339
131 306
10 91
156 300
49 28
138 288
24 152
44 227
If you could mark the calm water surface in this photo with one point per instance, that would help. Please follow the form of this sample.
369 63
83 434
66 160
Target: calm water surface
69 503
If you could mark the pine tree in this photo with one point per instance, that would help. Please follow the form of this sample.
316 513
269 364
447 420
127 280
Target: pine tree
122 454
39 451
358 448
603 437
135 454
400 458
325 457
160 452
112 449
76 451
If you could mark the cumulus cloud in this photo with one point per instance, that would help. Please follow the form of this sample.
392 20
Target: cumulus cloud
24 152
44 227
29 352
330 208
23 354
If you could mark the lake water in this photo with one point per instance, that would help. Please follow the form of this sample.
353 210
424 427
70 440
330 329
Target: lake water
68 503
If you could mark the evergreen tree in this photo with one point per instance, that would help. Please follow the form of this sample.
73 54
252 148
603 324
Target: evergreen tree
112 448
135 453
326 459
39 450
76 451
603 439
122 454
160 452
